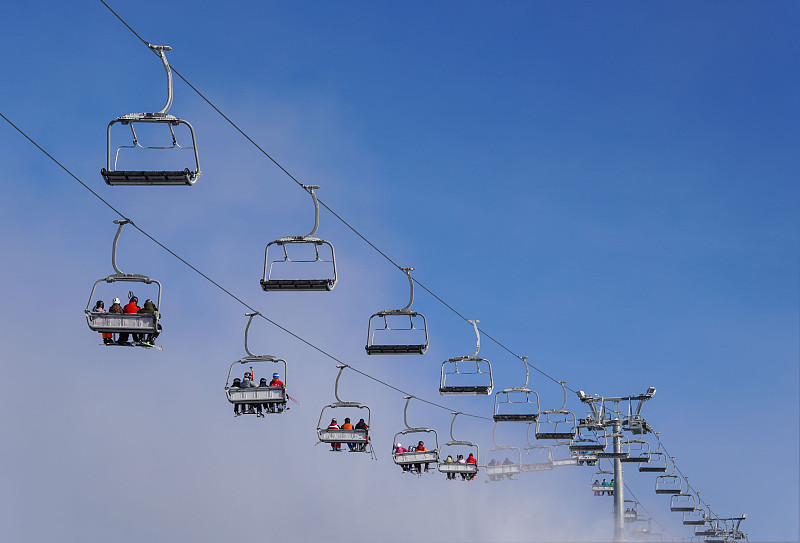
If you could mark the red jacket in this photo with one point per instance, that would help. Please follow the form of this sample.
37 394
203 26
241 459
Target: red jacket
471 460
131 308
276 383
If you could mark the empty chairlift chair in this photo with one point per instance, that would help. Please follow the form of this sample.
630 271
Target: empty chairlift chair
113 176
415 458
498 460
684 502
257 400
537 457
669 484
453 449
557 424
517 404
124 323
357 439
695 517
562 456
638 451
656 460
388 339
304 263
610 453
467 375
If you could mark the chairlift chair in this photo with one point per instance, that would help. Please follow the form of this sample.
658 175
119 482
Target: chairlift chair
412 331
482 371
560 460
711 530
499 470
558 424
598 487
450 449
695 517
587 441
518 400
657 463
292 246
543 455
271 397
669 484
411 458
120 323
612 454
584 448
631 512
656 460
638 450
683 502
359 438
113 176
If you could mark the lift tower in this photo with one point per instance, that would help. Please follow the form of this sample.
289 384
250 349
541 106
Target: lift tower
614 414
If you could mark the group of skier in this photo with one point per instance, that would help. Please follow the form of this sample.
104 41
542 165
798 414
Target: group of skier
258 408
131 307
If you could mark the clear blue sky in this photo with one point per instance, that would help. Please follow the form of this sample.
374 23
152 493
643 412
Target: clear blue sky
612 189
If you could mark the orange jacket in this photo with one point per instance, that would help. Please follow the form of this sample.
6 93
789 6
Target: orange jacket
347 426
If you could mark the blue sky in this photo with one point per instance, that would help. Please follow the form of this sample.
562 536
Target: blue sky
611 189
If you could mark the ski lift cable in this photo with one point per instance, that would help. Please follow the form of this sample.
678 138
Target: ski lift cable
298 182
218 285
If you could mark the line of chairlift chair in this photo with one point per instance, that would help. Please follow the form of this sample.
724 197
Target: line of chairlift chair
516 404
585 439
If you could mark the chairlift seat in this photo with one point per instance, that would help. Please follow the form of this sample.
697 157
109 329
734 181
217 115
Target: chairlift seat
537 466
555 435
297 284
415 457
338 435
146 178
693 522
592 446
256 395
464 390
117 323
652 469
396 349
635 458
611 454
557 462
456 467
516 417
598 487
503 469
668 491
